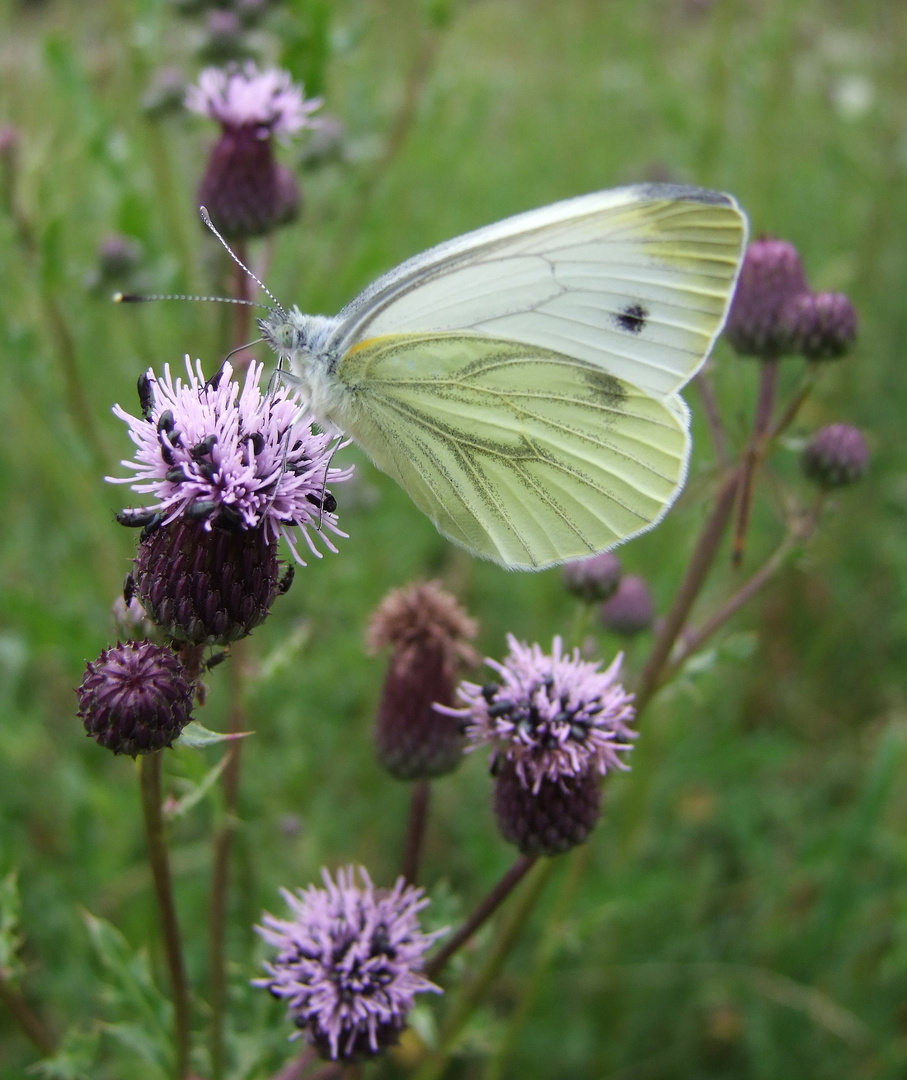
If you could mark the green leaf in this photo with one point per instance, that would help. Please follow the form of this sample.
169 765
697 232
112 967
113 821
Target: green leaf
132 994
198 791
74 1060
195 736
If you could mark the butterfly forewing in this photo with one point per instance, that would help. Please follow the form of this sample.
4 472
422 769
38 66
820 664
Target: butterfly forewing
524 455
635 281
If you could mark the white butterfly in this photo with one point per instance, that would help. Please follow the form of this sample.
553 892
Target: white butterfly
521 382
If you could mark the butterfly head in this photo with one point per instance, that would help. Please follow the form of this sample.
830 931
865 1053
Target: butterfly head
296 336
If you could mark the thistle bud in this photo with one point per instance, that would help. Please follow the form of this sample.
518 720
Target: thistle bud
822 326
593 579
631 609
835 456
428 631
771 276
135 698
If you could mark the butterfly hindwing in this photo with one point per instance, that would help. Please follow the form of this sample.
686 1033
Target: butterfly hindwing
524 455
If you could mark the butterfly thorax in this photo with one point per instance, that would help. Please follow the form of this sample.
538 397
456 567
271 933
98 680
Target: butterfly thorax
306 342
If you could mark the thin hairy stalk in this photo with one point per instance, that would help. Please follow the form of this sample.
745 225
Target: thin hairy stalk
474 993
582 616
713 417
30 1024
482 913
697 570
150 783
765 403
220 874
420 796
694 639
544 955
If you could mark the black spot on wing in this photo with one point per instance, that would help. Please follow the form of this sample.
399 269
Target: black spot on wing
632 319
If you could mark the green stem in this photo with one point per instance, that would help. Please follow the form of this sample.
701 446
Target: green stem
150 782
220 875
483 912
30 1024
473 994
544 955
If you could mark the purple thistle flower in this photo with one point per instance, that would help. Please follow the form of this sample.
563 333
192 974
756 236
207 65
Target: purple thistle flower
348 962
246 191
239 460
553 718
268 100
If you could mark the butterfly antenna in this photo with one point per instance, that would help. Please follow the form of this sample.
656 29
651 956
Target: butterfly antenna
144 298
207 220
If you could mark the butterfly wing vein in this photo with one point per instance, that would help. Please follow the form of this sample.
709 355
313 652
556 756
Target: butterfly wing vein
525 456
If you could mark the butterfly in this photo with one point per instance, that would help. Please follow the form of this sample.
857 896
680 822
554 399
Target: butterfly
521 382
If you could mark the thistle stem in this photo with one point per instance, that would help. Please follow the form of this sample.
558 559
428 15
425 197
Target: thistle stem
713 417
483 912
420 797
696 638
494 959
29 1023
696 573
768 385
150 783
220 875
544 954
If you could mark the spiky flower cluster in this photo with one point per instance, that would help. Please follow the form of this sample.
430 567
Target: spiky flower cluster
348 962
246 191
553 717
230 459
268 101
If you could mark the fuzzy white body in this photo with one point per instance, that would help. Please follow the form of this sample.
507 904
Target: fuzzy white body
307 343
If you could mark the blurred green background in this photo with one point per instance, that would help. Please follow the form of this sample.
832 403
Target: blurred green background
742 911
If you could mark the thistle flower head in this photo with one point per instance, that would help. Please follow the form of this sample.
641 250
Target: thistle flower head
231 458
348 962
135 698
429 633
553 717
268 101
